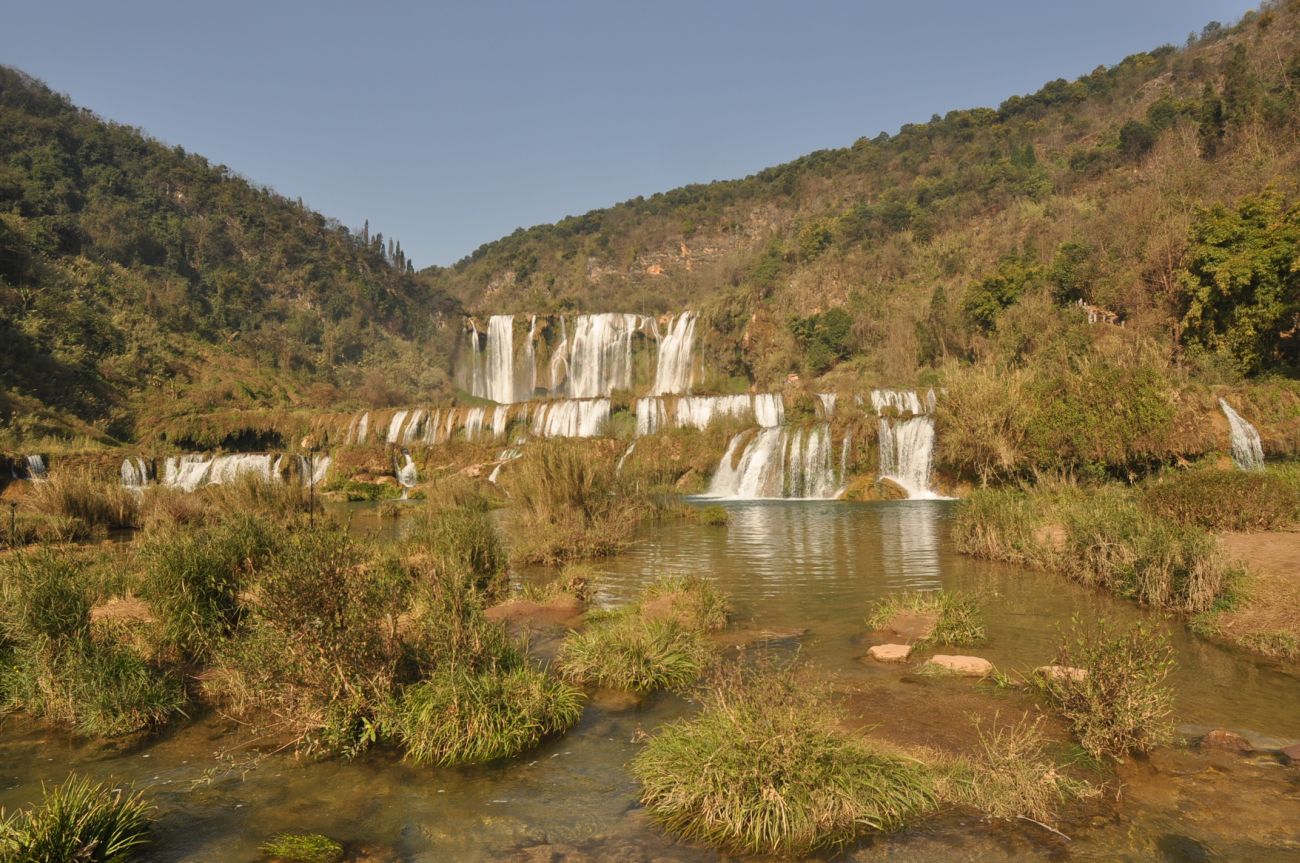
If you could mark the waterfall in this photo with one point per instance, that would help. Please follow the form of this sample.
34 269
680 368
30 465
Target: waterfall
312 470
906 439
779 462
36 468
600 355
135 472
571 418
507 455
473 426
395 426
769 409
558 369
1247 451
414 427
827 401
188 472
363 428
408 474
627 452
500 421
673 365
650 416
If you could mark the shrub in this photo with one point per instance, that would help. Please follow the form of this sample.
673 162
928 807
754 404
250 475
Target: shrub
627 651
304 848
1011 775
77 821
77 495
713 516
957 618
466 717
1123 704
1226 499
193 579
460 541
1000 524
764 769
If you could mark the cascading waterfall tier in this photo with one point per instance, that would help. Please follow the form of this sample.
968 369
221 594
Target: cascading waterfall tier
906 439
135 472
189 472
36 468
654 413
1247 450
781 462
594 355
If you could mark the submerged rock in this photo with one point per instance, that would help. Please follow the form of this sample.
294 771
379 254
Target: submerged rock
1292 753
967 666
912 626
1222 738
1061 672
890 652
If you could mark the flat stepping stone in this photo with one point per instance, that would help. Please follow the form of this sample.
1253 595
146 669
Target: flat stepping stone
966 666
1061 672
912 626
1222 738
890 652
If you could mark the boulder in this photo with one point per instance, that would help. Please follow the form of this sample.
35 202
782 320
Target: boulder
1061 672
966 666
890 652
1222 738
1292 753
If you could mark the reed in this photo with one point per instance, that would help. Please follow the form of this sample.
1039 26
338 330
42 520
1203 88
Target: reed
77 822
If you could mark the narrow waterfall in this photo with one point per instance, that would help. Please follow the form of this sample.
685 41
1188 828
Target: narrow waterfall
36 468
362 429
627 452
650 416
499 366
827 401
769 409
135 472
407 473
571 418
500 421
505 457
473 425
779 462
674 363
906 439
414 427
1247 451
395 426
312 470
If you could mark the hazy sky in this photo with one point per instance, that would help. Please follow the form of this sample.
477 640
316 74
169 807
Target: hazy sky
450 125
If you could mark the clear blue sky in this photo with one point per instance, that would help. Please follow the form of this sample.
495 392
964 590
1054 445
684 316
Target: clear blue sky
450 125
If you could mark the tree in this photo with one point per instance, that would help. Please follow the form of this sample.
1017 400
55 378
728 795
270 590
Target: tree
1241 283
986 299
1072 273
1135 139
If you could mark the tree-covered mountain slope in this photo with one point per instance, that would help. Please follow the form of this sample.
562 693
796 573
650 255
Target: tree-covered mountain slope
973 236
139 280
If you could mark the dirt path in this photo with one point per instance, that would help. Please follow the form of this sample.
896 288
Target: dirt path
1269 620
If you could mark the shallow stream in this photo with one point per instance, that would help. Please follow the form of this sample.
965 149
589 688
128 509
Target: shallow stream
795 565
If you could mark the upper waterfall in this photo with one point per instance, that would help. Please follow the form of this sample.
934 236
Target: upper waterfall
1247 451
674 366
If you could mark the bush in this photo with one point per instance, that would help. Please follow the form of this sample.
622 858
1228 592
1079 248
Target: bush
466 717
627 651
764 769
78 495
193 579
1123 703
1226 499
304 848
713 516
957 618
77 821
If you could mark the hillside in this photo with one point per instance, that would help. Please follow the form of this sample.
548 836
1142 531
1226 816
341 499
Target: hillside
139 281
969 237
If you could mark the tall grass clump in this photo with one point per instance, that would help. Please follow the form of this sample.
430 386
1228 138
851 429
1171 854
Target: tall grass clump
1011 775
79 496
1111 541
77 822
764 768
692 600
193 578
1002 524
463 716
319 651
253 493
1219 500
461 541
303 848
957 617
59 669
566 504
628 651
1123 704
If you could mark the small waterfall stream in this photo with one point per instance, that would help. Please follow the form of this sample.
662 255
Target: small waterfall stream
676 350
1247 451
780 462
906 439
135 472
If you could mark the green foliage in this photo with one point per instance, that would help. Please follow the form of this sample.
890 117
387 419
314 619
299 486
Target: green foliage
79 496
1221 500
77 822
1073 272
1000 524
825 338
303 848
464 717
1240 286
1124 703
460 541
763 769
957 617
987 298
1135 139
690 599
713 516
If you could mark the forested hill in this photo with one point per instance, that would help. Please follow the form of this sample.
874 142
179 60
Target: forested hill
969 237
138 280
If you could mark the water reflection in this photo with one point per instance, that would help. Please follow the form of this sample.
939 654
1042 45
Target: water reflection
909 546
